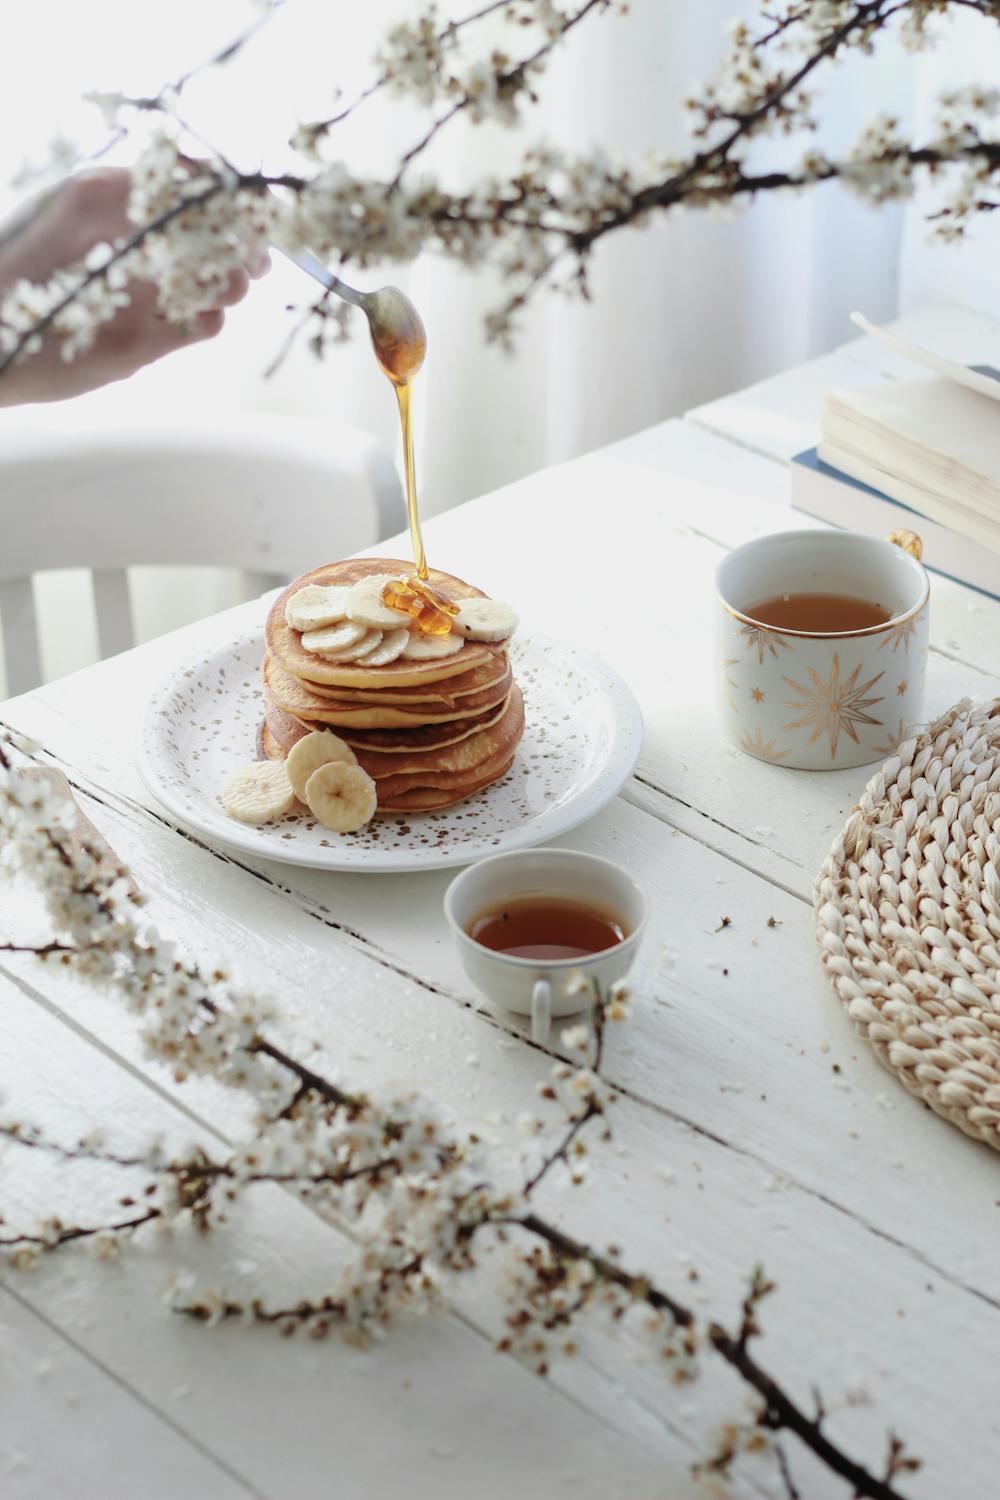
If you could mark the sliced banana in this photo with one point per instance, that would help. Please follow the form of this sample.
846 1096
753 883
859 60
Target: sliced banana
335 637
485 620
320 748
315 606
392 645
258 793
355 652
364 604
341 796
421 647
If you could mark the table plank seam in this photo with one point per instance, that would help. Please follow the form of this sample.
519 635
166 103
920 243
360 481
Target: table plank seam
669 796
737 442
154 1411
36 997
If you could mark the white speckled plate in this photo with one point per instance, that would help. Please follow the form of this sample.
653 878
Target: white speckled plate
582 739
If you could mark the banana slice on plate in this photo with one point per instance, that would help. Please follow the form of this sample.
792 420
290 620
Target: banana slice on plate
258 793
341 796
334 637
422 647
320 748
315 606
364 604
485 620
391 645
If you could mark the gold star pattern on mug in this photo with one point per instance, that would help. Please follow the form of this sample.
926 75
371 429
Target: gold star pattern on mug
757 695
760 638
900 634
894 741
729 682
756 745
835 706
901 687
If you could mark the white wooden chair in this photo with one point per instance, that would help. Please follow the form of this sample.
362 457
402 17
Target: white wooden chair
266 494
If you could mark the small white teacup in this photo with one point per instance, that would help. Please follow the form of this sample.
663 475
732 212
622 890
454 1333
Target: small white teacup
537 987
821 700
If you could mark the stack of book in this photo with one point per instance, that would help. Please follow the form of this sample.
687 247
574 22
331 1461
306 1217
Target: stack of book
921 453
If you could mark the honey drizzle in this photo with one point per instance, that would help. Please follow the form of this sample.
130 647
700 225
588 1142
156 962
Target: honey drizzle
429 610
404 393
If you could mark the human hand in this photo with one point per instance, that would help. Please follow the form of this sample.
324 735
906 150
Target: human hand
58 229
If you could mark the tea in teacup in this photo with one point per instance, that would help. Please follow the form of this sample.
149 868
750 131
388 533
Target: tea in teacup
547 927
819 613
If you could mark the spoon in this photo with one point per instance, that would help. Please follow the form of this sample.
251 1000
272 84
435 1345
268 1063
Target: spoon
397 333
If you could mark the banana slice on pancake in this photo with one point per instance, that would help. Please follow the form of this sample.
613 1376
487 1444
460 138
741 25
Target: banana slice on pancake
315 606
390 645
341 796
421 647
364 604
353 653
258 793
319 748
485 620
334 637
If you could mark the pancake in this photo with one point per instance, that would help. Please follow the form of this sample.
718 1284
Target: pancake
431 801
428 737
458 760
285 728
296 699
442 693
284 643
444 781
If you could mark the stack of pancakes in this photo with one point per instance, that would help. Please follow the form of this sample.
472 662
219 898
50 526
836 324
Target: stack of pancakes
428 732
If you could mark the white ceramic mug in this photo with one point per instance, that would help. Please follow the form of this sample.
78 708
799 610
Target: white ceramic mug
821 701
539 987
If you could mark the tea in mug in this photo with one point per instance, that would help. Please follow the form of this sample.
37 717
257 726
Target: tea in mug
819 614
547 928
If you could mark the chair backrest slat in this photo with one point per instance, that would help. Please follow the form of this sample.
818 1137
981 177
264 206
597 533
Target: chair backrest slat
22 657
113 610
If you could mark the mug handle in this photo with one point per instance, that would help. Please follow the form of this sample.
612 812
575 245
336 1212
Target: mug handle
909 541
541 1011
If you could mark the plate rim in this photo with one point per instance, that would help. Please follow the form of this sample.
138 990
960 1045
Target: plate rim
578 810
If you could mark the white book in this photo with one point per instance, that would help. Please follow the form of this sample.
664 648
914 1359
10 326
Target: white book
825 492
947 509
928 435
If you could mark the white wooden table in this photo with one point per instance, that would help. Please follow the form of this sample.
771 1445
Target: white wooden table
750 1123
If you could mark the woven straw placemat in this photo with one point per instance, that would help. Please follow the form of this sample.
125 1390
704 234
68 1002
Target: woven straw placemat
908 917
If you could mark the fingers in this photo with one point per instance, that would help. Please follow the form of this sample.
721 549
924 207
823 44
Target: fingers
258 263
207 325
237 286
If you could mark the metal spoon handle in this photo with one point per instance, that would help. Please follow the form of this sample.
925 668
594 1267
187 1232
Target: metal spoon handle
314 267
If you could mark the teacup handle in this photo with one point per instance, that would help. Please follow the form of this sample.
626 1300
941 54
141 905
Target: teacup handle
909 541
541 1011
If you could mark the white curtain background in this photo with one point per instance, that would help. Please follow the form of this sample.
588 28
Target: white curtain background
681 312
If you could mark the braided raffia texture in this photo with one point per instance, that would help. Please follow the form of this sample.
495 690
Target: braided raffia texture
908 917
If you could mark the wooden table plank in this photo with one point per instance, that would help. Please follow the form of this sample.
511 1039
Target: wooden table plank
69 1427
